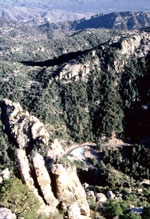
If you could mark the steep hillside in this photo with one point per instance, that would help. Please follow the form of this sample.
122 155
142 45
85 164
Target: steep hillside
116 20
51 87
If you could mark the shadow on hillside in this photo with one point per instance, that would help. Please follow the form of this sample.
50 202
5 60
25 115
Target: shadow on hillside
57 60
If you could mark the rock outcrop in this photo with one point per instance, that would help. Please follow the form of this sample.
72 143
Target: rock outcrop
6 214
27 178
24 168
136 43
55 151
73 71
52 183
44 180
100 197
131 44
69 189
25 129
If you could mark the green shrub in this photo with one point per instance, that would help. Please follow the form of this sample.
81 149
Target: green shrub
112 209
93 204
132 216
19 199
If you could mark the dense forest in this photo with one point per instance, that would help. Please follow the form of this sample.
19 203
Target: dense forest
106 102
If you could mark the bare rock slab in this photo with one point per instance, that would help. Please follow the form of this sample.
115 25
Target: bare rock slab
44 180
70 190
6 214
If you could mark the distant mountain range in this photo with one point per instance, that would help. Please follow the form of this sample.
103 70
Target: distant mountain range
78 14
58 19
39 15
117 20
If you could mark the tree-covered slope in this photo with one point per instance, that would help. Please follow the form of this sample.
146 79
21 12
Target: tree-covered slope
22 42
77 87
84 88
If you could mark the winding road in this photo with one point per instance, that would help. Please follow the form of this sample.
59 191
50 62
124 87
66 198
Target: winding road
88 144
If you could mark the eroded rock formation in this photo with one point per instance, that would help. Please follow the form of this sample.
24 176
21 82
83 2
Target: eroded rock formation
25 129
53 184
44 180
27 178
69 189
135 44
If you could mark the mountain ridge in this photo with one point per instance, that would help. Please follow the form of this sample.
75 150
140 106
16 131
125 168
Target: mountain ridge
50 20
116 20
39 16
59 90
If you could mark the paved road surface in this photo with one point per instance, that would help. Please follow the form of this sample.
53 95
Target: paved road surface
74 147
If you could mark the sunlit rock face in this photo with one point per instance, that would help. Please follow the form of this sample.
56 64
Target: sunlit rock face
6 214
44 180
65 184
55 151
25 129
54 184
69 189
28 179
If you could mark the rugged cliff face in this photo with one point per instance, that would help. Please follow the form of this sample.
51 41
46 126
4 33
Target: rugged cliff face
54 185
69 191
25 129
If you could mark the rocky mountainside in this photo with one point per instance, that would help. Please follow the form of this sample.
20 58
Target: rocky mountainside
64 89
117 20
37 12
75 70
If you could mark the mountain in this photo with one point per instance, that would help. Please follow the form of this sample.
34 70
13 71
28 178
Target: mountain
37 12
39 15
74 122
41 67
65 20
117 20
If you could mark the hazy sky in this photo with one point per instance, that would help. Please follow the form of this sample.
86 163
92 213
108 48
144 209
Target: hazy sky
83 5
